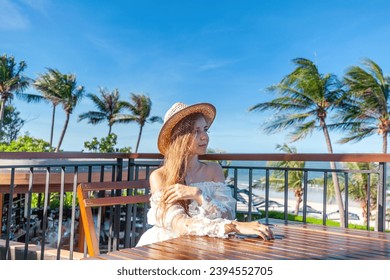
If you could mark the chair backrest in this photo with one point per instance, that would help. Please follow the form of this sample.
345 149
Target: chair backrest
122 193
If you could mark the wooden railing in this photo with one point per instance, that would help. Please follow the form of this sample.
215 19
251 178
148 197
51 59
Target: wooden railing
25 174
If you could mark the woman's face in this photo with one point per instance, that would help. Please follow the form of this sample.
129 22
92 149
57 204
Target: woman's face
201 138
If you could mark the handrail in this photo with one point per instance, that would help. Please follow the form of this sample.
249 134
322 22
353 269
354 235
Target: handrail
336 157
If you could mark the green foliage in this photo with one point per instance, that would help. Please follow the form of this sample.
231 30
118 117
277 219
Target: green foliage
60 88
295 218
304 99
365 103
26 144
140 108
12 124
54 200
108 105
105 145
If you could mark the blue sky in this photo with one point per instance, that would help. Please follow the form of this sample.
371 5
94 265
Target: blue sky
222 52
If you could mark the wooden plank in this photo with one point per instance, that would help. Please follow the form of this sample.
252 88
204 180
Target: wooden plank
172 251
293 241
229 247
126 255
182 246
116 200
327 240
147 253
97 186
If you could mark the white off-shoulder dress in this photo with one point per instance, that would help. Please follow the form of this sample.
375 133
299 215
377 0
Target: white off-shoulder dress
210 218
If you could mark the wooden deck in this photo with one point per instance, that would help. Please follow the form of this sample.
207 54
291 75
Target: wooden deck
295 241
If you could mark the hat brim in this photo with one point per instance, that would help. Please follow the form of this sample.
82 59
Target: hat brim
206 109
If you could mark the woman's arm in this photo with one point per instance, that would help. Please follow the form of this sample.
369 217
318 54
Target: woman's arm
175 219
182 192
182 224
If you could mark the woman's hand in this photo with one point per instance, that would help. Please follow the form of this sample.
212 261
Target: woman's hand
182 192
254 228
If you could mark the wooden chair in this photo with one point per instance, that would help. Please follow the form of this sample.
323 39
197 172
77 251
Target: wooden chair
136 192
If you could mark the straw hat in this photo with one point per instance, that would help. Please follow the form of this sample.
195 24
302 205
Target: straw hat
175 114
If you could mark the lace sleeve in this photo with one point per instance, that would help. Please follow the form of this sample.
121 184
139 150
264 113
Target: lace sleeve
178 221
218 202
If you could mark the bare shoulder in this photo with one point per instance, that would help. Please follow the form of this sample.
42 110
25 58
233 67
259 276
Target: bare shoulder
155 180
214 166
214 171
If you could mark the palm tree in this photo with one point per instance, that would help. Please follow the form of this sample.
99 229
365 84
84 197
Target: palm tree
306 99
295 177
60 89
140 107
46 84
12 82
358 186
366 103
107 106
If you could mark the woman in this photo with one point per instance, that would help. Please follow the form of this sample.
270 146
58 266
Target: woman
189 197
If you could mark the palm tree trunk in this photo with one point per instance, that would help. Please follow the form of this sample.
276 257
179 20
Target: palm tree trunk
139 138
109 129
63 132
336 183
52 125
2 109
298 199
384 144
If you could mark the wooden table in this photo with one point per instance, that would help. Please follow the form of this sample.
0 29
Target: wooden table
292 241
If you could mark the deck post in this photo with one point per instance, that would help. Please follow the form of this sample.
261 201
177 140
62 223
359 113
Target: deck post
381 198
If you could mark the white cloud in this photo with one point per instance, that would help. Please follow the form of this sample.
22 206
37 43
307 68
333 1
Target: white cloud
38 5
11 17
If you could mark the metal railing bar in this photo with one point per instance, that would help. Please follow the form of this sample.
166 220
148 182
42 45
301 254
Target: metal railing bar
346 200
304 212
134 223
61 213
381 198
9 215
368 200
44 214
130 172
324 198
250 195
128 223
102 173
285 195
113 173
110 231
267 195
136 172
235 172
73 216
29 200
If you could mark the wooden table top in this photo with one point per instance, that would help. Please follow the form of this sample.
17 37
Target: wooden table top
292 241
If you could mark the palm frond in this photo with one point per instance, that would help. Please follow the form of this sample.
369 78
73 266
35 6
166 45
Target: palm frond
301 131
124 118
359 135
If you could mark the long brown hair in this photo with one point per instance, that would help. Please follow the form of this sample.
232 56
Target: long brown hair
177 157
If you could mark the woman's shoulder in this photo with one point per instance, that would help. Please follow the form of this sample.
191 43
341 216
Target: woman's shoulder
213 166
214 171
155 180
